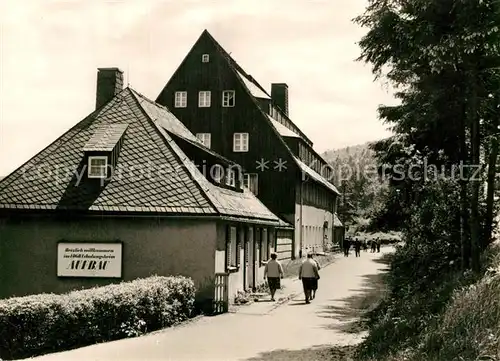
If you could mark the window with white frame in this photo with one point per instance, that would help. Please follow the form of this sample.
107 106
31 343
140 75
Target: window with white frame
260 243
228 98
204 97
98 167
265 244
250 181
217 173
205 58
240 142
231 178
180 99
206 139
232 248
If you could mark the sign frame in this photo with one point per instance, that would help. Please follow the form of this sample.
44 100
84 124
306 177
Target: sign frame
116 246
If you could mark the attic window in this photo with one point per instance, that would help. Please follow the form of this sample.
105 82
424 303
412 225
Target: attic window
228 98
231 178
98 166
103 149
216 173
205 58
251 181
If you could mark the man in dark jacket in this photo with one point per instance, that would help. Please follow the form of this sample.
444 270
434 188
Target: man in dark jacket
357 247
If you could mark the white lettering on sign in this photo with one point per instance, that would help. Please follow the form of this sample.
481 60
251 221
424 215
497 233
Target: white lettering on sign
89 260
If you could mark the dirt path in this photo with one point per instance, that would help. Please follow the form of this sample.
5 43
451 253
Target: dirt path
292 331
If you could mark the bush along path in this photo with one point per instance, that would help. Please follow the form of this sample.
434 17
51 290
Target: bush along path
45 323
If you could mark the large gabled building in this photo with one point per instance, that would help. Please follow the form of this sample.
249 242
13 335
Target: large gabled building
235 116
129 192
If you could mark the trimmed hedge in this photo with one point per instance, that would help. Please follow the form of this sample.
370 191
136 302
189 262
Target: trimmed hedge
44 323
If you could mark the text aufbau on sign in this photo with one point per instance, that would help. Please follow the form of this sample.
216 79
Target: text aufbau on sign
89 259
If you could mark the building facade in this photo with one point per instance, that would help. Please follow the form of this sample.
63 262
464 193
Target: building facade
129 192
235 116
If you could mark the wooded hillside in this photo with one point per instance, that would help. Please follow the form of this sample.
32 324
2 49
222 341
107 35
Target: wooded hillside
356 176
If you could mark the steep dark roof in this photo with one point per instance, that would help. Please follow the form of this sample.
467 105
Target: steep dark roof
152 175
252 85
249 83
164 118
105 138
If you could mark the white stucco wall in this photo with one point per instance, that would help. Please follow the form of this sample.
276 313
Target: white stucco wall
312 229
220 261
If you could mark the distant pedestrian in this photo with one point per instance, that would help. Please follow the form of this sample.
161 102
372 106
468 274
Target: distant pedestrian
378 245
347 245
274 273
308 273
357 247
374 245
365 245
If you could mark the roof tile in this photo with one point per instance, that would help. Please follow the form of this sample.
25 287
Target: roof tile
148 176
105 138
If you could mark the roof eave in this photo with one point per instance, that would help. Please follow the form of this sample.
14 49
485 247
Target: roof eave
204 149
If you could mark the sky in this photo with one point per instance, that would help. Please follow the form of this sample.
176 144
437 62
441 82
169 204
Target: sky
50 51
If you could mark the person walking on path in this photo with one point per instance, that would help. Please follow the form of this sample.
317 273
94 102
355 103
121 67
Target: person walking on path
374 245
378 245
274 273
347 245
357 247
308 273
315 282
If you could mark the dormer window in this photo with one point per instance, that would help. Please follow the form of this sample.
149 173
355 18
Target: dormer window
205 58
217 171
251 182
98 166
231 178
103 149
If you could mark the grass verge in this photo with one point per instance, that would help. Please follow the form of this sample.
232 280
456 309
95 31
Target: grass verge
323 352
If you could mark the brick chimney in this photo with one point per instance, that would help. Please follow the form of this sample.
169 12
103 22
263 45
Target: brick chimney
279 96
109 83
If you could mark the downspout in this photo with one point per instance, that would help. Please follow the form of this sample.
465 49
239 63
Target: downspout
343 213
301 219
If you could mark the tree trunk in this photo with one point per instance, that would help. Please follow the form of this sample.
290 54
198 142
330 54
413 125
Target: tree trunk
475 177
464 223
464 201
490 192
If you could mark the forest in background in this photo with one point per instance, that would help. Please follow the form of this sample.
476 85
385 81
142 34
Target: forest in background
357 178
